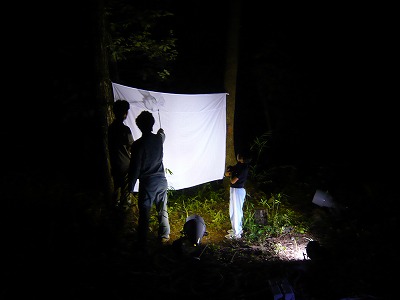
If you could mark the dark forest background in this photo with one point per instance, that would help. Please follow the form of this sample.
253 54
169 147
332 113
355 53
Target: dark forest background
320 77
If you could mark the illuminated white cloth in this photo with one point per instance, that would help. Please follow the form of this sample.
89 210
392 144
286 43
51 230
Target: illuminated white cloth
195 129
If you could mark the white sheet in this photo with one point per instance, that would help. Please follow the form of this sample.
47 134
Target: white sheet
195 128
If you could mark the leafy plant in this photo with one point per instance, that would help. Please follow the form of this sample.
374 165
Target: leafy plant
210 201
280 219
141 37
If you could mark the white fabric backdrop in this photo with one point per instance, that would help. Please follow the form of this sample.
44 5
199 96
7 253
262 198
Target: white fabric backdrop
195 129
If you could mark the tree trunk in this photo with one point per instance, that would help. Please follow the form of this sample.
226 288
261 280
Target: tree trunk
230 78
232 53
104 98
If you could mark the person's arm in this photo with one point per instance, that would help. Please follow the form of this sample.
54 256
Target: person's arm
130 139
161 133
234 180
230 173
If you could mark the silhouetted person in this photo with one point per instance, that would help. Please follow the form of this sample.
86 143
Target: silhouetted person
147 167
120 140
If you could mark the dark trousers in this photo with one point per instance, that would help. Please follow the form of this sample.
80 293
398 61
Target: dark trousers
121 191
153 190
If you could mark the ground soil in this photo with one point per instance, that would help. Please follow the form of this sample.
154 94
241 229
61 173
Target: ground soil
221 268
63 255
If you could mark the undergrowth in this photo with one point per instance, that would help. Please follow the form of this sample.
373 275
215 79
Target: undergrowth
265 215
210 201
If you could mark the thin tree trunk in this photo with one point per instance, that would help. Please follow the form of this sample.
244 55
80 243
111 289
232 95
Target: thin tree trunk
230 80
104 98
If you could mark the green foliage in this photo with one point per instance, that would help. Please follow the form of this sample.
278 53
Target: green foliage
211 205
142 37
203 200
257 172
281 218
211 202
259 144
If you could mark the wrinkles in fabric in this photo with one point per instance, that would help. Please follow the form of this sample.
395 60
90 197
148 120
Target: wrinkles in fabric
195 125
237 198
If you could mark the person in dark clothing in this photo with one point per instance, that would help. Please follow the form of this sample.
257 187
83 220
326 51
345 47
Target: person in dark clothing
238 175
147 167
120 140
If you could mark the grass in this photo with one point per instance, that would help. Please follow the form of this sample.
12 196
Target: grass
211 202
50 204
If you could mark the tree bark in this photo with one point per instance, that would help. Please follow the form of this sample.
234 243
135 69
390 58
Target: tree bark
231 77
104 97
232 54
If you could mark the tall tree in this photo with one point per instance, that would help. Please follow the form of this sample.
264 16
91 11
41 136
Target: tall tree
232 54
103 95
127 33
111 49
142 45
